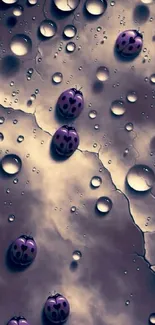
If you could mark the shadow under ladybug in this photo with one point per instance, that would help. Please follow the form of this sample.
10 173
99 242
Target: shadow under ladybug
120 57
11 265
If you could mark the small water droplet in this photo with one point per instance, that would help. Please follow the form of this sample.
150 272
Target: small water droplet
96 126
2 119
129 127
127 303
48 28
20 138
21 44
73 209
132 97
57 78
112 3
96 181
152 319
96 7
118 108
11 218
140 178
104 205
70 31
11 164
70 47
15 181
18 10
76 255
102 74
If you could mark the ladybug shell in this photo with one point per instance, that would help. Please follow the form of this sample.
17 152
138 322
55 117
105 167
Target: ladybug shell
70 103
57 309
129 43
18 321
23 250
65 140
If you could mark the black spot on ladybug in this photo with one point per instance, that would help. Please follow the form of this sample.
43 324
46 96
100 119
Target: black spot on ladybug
49 308
70 145
67 139
64 97
123 35
65 106
15 246
24 248
79 105
32 250
57 306
58 136
18 254
62 313
73 109
75 139
64 304
118 46
54 314
130 48
61 145
123 43
131 40
25 256
72 101
138 46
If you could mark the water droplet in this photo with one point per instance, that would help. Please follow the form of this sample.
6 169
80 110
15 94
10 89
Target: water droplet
30 71
70 47
48 28
129 127
11 164
96 181
140 178
96 126
92 114
20 138
132 97
96 7
118 108
18 10
2 119
20 44
73 209
57 77
152 319
9 2
70 31
127 303
32 2
66 5
15 181
147 1
33 97
11 83
112 3
1 137
76 255
152 78
102 73
11 218
104 205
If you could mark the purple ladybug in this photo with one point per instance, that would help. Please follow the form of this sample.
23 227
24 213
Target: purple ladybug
23 250
129 43
18 321
70 103
57 309
65 140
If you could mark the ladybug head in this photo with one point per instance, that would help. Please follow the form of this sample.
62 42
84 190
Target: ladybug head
26 237
138 34
54 296
74 89
79 92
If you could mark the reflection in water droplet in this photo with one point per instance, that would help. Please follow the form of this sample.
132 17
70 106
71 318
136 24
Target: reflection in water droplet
70 47
96 7
73 209
92 114
140 178
118 107
20 44
57 77
32 2
132 96
70 31
11 218
11 164
9 2
152 319
20 138
152 78
76 255
66 5
129 127
48 28
103 205
18 10
96 181
1 137
102 73
2 119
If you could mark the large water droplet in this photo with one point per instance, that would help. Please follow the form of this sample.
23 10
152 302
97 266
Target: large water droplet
140 178
129 127
66 5
147 1
118 107
32 2
1 137
104 205
9 2
70 31
2 119
102 73
92 114
11 164
48 28
152 78
18 10
21 44
57 77
76 255
152 319
96 7
96 181
70 47
132 97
